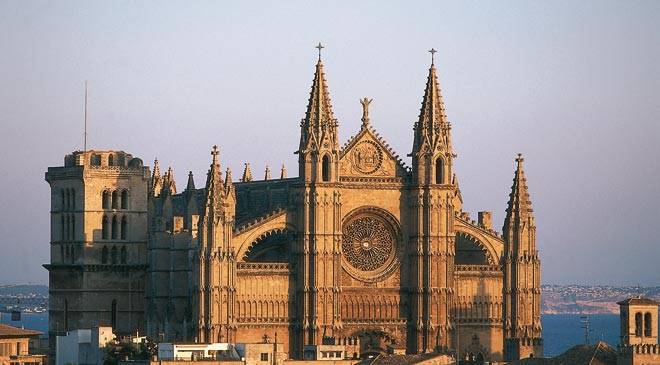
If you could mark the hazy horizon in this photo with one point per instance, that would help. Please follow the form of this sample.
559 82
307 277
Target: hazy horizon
571 85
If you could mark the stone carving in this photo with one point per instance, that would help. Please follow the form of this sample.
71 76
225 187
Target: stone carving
367 157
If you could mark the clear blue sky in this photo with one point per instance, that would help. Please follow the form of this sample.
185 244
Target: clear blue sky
573 85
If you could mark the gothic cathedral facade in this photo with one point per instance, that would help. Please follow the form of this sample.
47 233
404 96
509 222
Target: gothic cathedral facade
358 246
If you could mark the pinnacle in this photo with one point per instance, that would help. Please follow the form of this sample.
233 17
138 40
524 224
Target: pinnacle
191 182
432 127
267 173
519 205
283 172
247 173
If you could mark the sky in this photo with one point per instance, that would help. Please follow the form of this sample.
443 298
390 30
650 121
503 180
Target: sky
573 85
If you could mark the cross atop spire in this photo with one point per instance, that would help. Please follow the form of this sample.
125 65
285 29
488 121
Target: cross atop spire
319 47
215 152
432 51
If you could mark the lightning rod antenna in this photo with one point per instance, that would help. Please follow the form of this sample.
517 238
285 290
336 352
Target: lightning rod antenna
85 117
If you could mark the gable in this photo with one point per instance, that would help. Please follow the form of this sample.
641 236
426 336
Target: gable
366 155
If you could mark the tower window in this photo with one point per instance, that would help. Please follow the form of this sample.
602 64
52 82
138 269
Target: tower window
638 324
63 199
115 201
104 255
113 255
325 168
111 160
124 199
113 314
124 227
62 229
647 324
73 200
439 171
104 228
123 255
72 232
105 200
113 231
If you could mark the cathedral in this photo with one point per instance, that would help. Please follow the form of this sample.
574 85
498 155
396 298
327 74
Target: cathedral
360 248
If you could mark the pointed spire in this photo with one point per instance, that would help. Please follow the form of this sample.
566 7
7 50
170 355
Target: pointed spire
432 126
214 185
283 172
228 180
156 180
191 182
169 185
520 206
267 173
247 174
319 115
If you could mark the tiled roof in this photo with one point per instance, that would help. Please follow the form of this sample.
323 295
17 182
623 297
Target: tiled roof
10 331
600 353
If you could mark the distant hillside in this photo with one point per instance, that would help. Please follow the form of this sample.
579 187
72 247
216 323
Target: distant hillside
24 290
582 299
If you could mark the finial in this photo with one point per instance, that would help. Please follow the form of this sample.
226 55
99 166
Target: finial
319 47
520 160
267 173
228 176
365 111
432 51
215 152
283 172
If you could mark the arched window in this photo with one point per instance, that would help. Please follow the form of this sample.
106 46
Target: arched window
111 160
439 171
62 229
72 233
113 231
66 315
104 255
73 200
67 234
113 255
66 199
115 201
123 255
124 199
647 324
124 228
63 199
113 314
104 228
105 200
638 324
73 254
325 168
62 253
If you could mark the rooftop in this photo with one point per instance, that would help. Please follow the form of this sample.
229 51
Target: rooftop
10 331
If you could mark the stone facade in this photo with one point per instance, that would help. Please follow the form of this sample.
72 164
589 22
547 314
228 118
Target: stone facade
359 248
639 332
98 243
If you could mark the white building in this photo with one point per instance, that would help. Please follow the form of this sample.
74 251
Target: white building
83 346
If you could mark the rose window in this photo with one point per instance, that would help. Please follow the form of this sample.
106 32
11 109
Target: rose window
368 243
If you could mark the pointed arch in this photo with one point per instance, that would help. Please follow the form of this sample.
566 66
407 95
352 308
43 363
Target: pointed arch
104 255
105 228
124 199
123 256
115 199
648 324
114 229
105 200
325 168
439 170
113 255
124 228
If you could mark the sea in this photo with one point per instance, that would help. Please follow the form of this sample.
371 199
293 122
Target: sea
560 331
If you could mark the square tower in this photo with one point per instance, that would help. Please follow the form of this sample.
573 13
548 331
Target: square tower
98 243
639 332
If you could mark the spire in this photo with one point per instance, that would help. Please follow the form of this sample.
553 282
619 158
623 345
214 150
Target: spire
168 182
432 128
247 174
283 172
267 173
519 207
319 119
214 186
191 182
228 180
156 180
